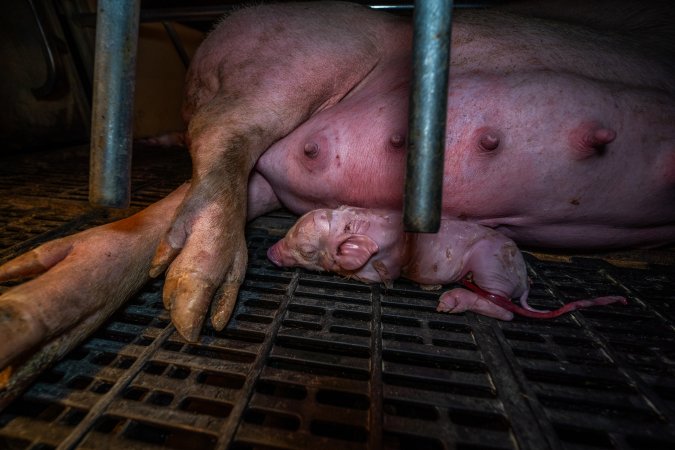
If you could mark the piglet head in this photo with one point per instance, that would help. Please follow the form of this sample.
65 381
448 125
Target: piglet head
302 245
325 240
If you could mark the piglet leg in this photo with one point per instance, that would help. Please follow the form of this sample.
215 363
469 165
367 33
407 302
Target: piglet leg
459 300
507 304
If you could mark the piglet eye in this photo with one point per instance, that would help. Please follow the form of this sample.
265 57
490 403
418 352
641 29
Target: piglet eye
307 252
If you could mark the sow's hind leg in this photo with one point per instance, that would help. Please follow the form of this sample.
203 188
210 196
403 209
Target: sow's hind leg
259 75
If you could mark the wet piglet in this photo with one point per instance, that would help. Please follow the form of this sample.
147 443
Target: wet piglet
370 245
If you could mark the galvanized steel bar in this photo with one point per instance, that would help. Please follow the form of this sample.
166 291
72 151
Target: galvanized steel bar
428 108
177 43
113 101
49 85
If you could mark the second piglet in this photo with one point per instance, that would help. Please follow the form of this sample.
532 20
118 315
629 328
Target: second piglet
371 246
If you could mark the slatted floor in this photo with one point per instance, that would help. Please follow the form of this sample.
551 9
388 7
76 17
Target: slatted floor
316 361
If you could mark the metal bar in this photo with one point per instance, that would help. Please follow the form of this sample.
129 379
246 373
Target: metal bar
428 108
376 390
177 44
215 12
49 85
113 100
98 409
229 429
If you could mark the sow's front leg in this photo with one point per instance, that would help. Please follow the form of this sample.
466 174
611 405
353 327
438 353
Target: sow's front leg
259 75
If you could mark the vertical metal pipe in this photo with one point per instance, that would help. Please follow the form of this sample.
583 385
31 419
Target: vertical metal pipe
113 101
428 108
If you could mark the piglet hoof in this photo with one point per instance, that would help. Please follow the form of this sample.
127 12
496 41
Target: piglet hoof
459 300
430 287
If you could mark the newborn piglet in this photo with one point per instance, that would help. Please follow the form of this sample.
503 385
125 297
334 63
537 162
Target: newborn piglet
371 246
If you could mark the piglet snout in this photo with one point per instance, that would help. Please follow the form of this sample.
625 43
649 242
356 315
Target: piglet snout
274 254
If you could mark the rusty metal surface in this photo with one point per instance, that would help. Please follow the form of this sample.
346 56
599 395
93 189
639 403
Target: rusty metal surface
318 361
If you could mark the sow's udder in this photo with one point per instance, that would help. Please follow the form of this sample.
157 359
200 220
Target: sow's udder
567 143
544 158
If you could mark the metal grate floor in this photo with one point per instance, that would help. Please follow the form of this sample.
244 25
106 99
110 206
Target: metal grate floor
317 361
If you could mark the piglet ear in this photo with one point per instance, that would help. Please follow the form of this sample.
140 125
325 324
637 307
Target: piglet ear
355 251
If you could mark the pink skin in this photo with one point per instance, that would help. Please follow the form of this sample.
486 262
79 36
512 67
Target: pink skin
565 143
577 183
370 245
539 145
539 142
80 276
